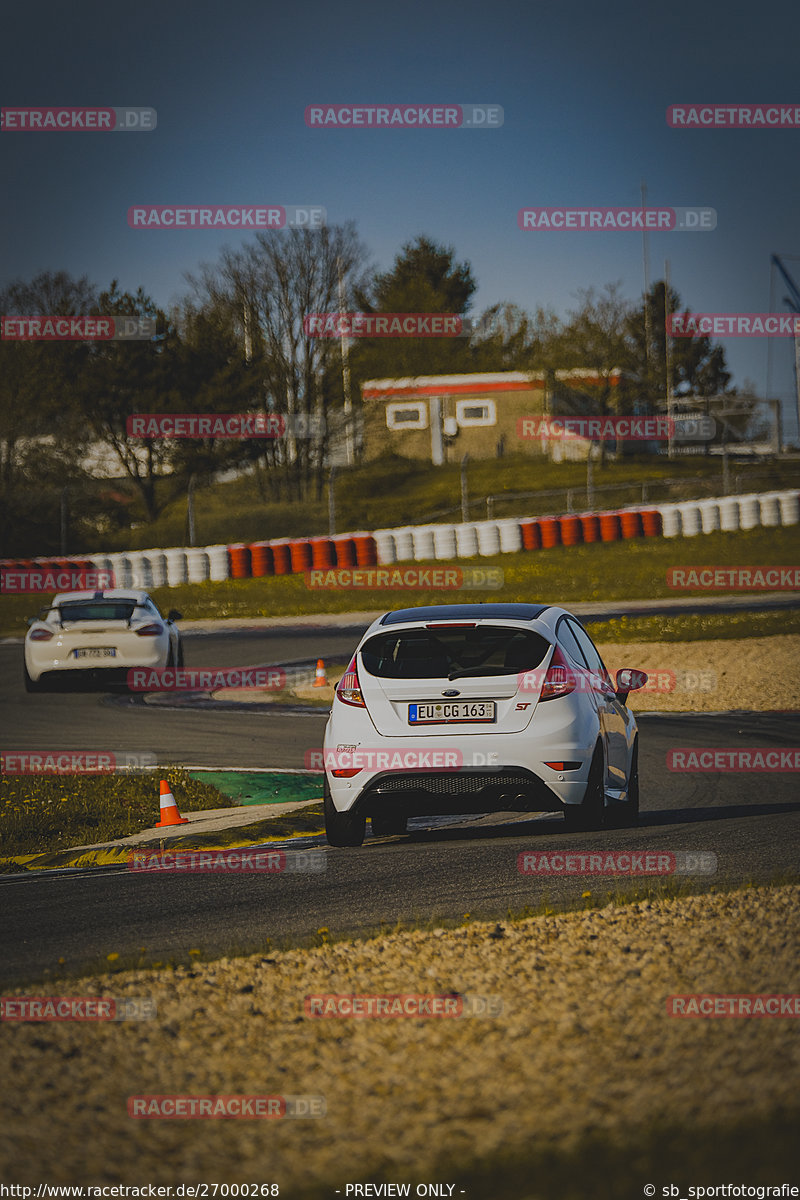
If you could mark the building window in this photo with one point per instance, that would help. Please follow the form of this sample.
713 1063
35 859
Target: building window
412 415
475 412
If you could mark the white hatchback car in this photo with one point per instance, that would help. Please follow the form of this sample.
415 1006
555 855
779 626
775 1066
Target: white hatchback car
476 708
104 633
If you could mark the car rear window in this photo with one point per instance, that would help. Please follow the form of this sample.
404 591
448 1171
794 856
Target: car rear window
453 653
97 610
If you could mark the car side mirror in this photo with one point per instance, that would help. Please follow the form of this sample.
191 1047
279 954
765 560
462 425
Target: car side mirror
629 680
174 615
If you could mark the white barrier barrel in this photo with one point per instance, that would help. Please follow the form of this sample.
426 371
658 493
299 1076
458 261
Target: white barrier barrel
196 565
121 569
749 511
770 508
141 575
384 542
488 538
709 515
176 566
444 542
690 518
218 562
466 541
158 567
403 543
510 535
101 562
670 520
790 508
729 513
423 542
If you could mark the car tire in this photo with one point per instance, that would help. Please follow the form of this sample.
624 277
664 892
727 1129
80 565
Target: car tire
170 658
590 813
180 662
388 825
31 685
342 829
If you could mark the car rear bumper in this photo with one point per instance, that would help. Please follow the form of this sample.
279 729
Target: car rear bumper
429 793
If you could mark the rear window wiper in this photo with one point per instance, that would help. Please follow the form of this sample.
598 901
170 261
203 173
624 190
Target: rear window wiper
463 672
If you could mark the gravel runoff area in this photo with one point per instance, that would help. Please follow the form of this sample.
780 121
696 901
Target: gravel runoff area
583 1046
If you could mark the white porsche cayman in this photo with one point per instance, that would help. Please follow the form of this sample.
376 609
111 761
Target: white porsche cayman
103 633
474 708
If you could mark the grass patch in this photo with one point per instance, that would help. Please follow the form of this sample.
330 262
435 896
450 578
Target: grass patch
238 510
41 813
613 571
695 627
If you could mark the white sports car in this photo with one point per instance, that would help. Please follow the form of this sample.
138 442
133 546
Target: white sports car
104 633
474 708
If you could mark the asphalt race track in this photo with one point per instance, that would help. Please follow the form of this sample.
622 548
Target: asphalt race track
751 822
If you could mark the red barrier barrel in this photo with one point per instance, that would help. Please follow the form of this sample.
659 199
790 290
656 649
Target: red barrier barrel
345 551
281 556
651 522
323 553
300 555
261 559
570 530
630 524
531 535
590 527
366 550
240 561
609 527
551 532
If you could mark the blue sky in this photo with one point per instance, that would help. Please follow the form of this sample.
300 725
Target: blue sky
584 88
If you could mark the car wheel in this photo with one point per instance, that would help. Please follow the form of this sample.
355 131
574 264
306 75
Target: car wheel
31 685
180 662
342 829
387 824
589 814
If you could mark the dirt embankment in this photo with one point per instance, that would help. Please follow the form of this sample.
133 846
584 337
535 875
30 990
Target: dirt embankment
583 1046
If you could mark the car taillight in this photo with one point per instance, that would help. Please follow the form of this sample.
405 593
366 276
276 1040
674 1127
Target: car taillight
560 679
154 630
40 635
345 772
348 689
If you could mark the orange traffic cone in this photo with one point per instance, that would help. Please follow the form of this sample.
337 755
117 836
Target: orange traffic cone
321 679
169 809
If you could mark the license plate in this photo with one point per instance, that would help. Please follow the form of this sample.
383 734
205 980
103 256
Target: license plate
452 711
95 652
